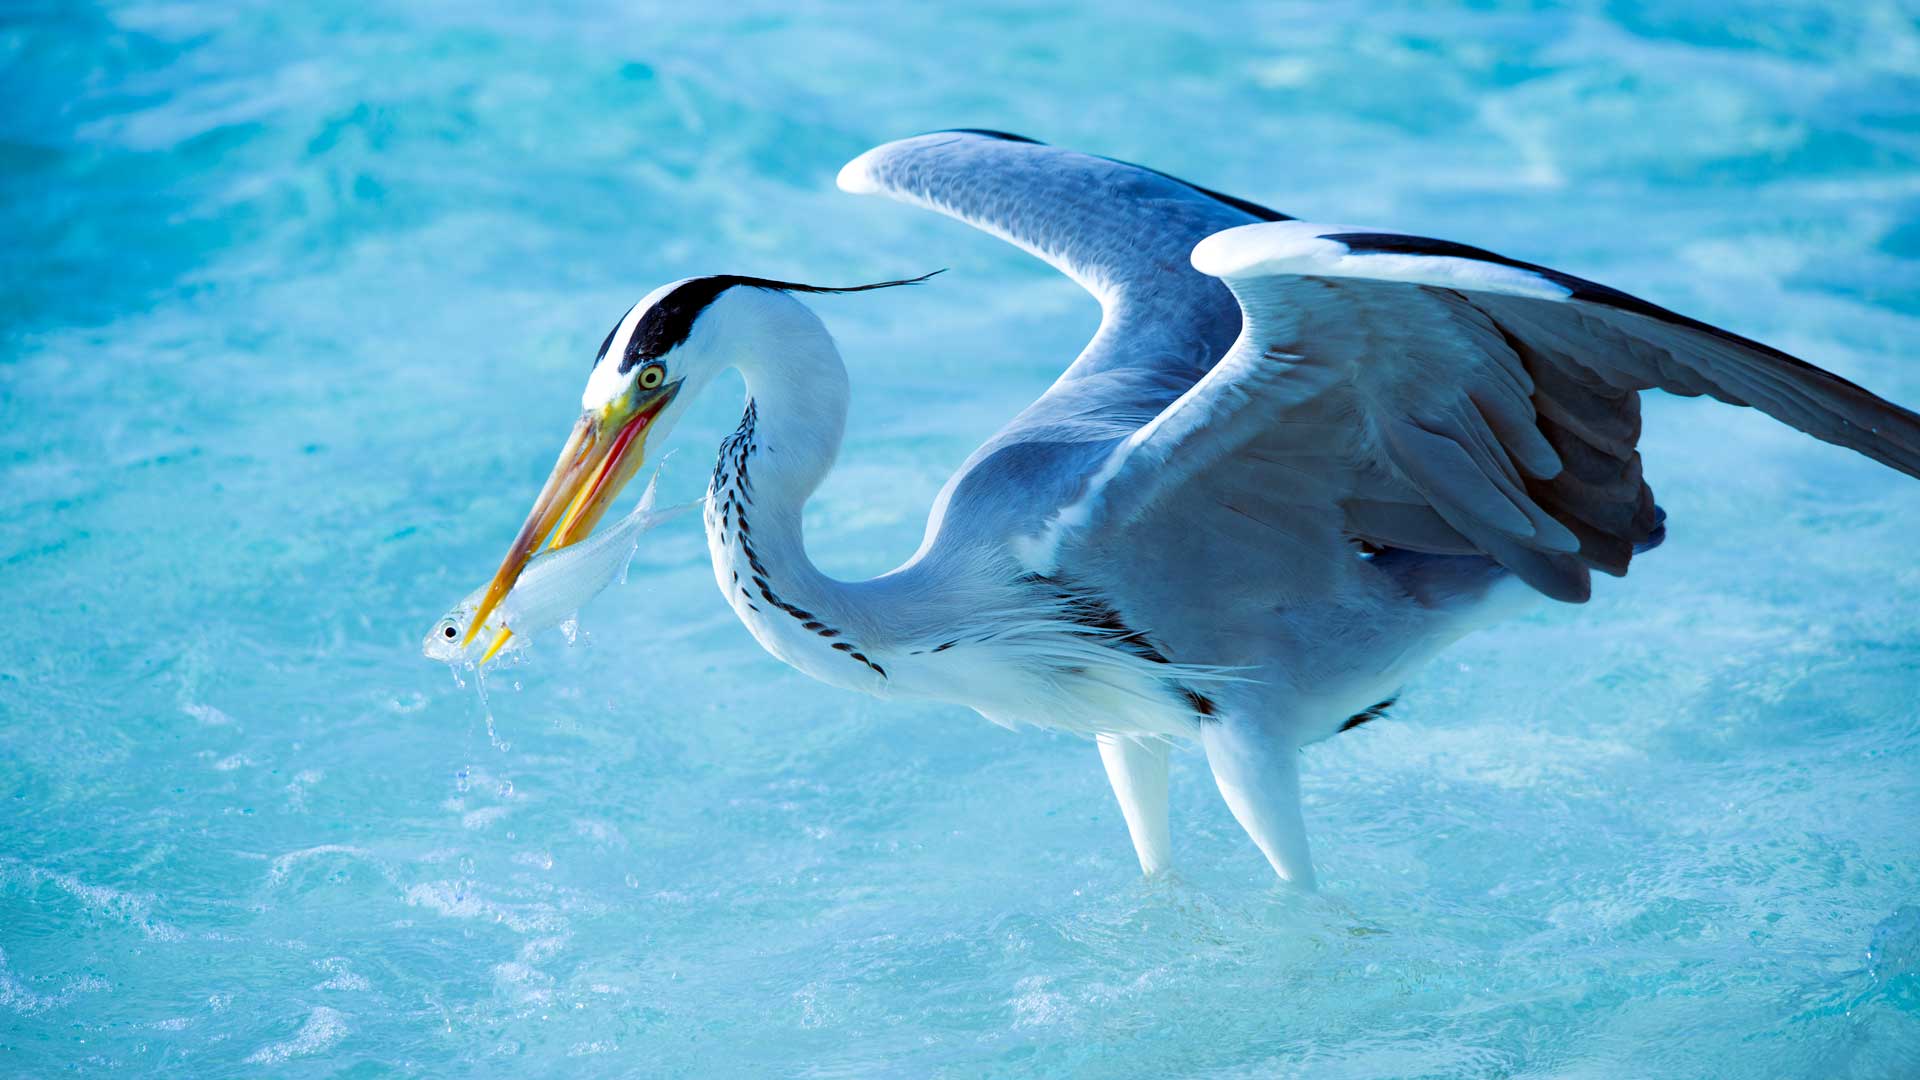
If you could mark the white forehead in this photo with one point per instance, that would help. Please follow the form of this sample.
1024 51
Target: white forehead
606 382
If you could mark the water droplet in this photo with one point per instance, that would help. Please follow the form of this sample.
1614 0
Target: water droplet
506 788
462 780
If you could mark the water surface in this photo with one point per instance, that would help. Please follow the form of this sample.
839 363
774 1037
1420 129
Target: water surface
295 305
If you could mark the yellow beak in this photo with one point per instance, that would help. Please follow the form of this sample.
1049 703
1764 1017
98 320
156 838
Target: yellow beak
606 448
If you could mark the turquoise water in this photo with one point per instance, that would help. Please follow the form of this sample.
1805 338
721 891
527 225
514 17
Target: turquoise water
295 305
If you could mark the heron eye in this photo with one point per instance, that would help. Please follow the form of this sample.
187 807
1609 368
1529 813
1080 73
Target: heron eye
652 376
451 632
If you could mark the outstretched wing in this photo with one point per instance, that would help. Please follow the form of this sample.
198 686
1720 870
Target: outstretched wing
1125 233
1424 395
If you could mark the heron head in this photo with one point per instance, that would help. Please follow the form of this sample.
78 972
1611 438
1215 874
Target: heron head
651 366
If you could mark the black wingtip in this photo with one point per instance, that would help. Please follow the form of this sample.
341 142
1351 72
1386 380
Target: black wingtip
989 133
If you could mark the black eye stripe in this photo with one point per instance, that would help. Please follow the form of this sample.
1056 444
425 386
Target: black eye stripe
667 323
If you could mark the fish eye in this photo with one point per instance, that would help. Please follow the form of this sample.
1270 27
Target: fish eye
450 631
652 376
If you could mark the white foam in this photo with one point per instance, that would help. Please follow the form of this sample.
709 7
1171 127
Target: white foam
340 975
133 909
282 865
324 1028
207 715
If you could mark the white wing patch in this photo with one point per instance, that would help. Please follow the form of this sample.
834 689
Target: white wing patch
1303 247
856 176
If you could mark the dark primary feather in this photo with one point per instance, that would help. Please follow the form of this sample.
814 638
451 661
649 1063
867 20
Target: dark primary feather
1580 288
1245 206
1699 358
1003 136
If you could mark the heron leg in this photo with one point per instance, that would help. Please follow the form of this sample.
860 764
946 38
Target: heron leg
1259 776
1137 768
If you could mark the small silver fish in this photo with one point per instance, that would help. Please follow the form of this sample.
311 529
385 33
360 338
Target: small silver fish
551 589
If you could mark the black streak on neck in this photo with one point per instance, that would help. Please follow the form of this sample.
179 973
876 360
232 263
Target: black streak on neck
733 488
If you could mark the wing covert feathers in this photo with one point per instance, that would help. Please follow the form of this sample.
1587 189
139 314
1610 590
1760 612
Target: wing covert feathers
1494 403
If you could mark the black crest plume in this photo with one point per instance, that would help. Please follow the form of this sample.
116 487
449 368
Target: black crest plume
669 321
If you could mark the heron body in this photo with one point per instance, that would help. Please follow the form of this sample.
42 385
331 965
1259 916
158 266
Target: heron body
969 624
1294 463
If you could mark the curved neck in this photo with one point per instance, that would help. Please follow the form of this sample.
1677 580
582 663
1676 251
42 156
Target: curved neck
797 391
788 438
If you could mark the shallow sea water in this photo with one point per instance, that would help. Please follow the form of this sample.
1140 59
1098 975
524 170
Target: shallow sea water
295 306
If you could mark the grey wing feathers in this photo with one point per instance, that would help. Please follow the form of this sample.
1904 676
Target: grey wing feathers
1438 398
1126 234
1404 392
1677 355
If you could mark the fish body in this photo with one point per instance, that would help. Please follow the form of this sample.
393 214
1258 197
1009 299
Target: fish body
552 588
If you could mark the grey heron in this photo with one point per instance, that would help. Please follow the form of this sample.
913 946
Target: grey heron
1295 462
